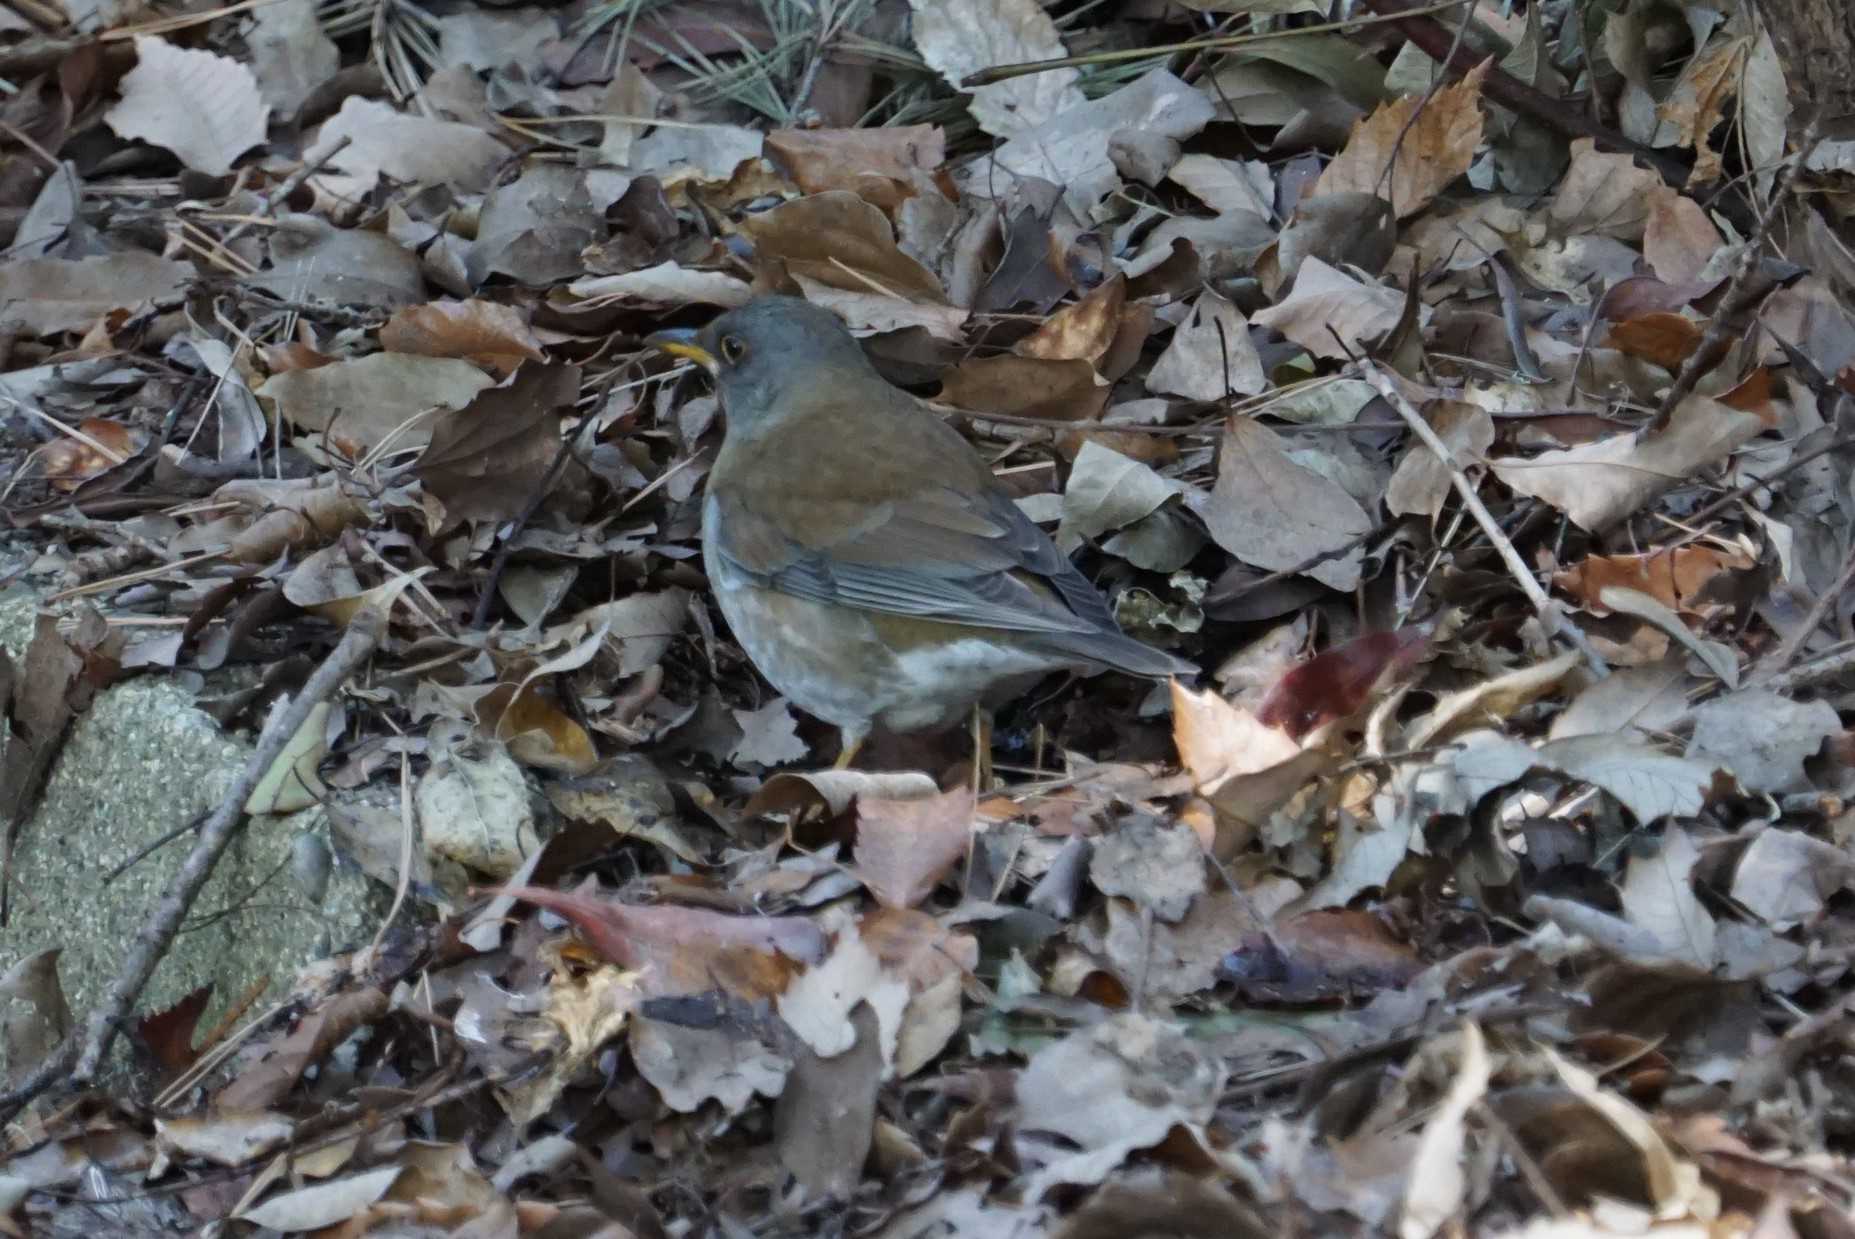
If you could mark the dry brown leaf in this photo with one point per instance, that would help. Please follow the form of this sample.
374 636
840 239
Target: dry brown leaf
959 37
288 512
493 335
487 460
1082 330
1429 152
1026 387
360 404
204 108
905 847
1674 577
1421 482
536 730
839 239
1695 107
1665 338
1331 314
1273 514
1604 193
1598 484
881 166
1218 740
68 462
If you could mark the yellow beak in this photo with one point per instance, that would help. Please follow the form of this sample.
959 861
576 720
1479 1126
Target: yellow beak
681 342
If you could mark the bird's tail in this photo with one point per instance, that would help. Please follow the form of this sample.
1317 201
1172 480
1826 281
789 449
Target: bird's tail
1116 651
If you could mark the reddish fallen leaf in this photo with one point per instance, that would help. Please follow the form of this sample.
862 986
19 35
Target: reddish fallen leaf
1673 577
1328 954
494 336
168 1033
70 461
1663 337
687 950
1339 682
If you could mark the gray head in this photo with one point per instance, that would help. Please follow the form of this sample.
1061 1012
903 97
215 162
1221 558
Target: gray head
770 348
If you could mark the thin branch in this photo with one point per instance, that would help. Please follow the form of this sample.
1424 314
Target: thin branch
1504 88
1549 612
1000 73
1743 291
87 1047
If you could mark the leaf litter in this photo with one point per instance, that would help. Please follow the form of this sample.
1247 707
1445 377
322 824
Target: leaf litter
1490 462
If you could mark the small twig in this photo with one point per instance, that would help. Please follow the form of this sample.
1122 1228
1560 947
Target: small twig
481 616
1768 481
1828 666
1742 291
1549 613
1502 87
87 1047
1000 73
1787 653
290 185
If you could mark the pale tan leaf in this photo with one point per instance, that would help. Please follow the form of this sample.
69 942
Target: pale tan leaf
1218 740
1330 312
1658 895
667 284
412 150
1603 193
1271 513
871 312
960 37
47 295
1437 1184
1424 154
486 332
1598 484
1210 355
206 109
1226 184
905 847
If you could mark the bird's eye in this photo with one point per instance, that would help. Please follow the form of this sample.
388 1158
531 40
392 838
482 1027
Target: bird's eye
733 348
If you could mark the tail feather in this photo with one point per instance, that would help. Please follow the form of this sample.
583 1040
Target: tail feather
1116 651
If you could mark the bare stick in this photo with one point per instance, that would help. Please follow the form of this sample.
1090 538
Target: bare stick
1549 612
290 185
1743 292
87 1047
1000 73
1788 653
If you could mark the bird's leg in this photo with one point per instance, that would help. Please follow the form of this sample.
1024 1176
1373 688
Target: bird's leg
982 750
847 745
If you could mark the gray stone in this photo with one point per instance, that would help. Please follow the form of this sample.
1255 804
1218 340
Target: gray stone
139 765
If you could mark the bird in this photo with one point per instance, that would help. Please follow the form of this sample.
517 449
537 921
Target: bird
865 557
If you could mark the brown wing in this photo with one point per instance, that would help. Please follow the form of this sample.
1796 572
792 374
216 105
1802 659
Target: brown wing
909 522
